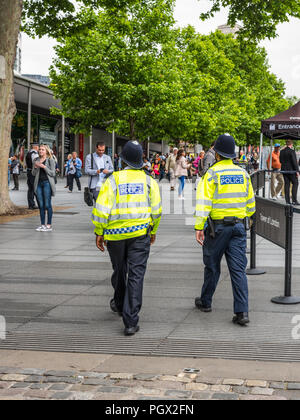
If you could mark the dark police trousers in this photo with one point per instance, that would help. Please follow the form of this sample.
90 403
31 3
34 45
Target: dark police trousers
129 260
30 192
231 241
288 180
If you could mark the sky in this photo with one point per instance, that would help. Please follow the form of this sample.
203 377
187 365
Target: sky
283 51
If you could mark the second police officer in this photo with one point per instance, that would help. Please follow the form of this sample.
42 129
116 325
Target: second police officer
225 202
126 216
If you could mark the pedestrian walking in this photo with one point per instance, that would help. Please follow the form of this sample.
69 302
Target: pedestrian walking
116 162
44 186
30 157
162 170
208 160
147 165
171 166
74 166
126 218
199 162
181 171
15 170
289 164
98 166
276 176
225 201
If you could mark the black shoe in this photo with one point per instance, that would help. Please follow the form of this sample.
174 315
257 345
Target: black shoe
113 307
296 203
198 304
131 330
241 318
33 208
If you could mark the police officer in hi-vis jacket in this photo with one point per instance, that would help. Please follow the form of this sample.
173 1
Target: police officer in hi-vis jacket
126 216
225 202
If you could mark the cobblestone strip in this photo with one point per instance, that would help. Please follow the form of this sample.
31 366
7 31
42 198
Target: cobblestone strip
72 385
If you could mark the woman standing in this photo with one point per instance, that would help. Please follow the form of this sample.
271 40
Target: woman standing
44 185
181 171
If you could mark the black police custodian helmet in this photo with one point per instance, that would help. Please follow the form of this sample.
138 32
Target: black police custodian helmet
132 154
225 146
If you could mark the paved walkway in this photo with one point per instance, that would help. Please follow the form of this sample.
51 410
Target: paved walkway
55 291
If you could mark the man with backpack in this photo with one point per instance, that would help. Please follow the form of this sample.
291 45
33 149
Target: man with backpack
30 157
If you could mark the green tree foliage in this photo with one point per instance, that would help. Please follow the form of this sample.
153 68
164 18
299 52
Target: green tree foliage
259 18
165 84
116 71
56 18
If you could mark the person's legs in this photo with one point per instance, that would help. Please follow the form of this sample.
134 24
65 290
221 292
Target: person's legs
117 253
237 263
295 188
47 200
95 193
273 185
181 185
287 188
30 192
16 181
70 181
280 183
172 178
138 250
40 199
78 183
213 251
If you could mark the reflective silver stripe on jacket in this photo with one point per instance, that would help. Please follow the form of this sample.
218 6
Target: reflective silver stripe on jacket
99 219
103 209
114 217
229 205
230 195
130 205
204 203
157 207
202 213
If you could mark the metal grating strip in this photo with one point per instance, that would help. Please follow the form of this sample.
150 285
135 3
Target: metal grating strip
155 347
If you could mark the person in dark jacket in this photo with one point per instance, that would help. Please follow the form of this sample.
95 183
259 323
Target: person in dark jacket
30 157
289 163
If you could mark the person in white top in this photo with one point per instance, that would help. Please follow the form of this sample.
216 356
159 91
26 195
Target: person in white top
98 166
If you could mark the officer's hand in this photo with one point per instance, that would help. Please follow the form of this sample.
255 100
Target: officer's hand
152 239
100 243
200 236
105 171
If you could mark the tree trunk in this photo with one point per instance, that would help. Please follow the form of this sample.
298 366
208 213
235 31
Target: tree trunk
132 129
10 12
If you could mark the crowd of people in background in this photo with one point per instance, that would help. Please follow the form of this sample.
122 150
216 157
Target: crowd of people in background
177 167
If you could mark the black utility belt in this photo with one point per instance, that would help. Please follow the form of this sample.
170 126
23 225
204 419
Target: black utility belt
228 221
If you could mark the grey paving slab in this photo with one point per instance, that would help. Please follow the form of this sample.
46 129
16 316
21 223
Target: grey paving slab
55 291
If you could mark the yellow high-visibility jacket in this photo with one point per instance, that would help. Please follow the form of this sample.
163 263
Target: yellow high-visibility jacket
225 191
127 205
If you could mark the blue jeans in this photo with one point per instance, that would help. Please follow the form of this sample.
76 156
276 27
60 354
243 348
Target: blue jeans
43 194
181 180
231 241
